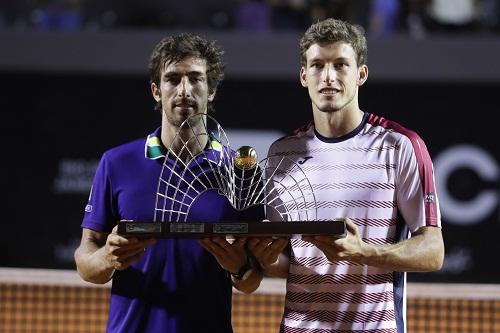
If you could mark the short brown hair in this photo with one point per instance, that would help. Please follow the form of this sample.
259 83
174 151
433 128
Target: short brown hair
331 31
176 48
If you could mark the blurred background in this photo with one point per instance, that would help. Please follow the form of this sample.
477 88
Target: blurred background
74 82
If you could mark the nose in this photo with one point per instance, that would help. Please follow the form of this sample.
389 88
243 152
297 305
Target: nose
184 87
328 73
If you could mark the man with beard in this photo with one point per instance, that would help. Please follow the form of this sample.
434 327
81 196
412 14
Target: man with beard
369 170
163 285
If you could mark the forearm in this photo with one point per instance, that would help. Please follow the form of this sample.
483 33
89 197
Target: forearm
250 281
91 263
423 252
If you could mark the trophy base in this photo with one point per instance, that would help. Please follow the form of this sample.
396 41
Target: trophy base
335 228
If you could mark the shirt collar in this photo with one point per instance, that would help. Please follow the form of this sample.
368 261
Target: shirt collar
154 148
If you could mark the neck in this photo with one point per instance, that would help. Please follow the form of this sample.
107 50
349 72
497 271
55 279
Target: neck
337 123
182 141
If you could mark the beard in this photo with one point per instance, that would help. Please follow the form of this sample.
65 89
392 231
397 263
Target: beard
329 108
333 106
177 117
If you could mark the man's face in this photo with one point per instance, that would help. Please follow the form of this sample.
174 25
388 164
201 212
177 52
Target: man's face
332 77
183 90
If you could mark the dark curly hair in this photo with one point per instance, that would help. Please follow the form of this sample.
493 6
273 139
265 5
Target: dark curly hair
331 31
176 48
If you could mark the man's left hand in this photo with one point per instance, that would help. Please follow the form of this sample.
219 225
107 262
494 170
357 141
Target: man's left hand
230 256
350 247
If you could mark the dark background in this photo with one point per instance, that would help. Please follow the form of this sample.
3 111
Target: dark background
73 83
50 117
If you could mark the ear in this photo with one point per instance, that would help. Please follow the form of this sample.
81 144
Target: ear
211 95
362 74
155 91
303 78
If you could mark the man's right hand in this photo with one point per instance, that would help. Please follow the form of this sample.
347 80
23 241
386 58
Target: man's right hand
120 252
269 253
100 254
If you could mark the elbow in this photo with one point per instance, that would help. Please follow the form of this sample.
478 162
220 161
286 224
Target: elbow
437 260
436 264
439 254
434 257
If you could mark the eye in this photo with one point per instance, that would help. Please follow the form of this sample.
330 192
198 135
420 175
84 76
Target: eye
340 65
174 80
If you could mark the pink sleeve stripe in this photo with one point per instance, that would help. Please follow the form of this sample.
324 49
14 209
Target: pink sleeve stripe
424 166
296 132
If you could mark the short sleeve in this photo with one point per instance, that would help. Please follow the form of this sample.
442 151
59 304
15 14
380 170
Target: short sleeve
416 194
100 210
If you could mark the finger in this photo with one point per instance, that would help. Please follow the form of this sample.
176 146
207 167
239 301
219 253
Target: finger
206 243
324 239
350 226
211 246
123 263
272 252
276 246
114 235
126 250
240 242
257 247
221 242
114 239
282 247
125 254
258 243
317 240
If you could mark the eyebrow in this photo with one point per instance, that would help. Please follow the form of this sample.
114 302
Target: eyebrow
342 59
336 59
190 73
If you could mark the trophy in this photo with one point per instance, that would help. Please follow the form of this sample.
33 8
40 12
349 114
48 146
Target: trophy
270 197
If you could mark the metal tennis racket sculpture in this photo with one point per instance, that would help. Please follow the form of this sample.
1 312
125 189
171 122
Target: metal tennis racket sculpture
200 168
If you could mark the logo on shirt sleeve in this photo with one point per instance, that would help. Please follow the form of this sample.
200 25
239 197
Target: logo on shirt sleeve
429 197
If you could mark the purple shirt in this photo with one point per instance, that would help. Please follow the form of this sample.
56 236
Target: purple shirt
177 286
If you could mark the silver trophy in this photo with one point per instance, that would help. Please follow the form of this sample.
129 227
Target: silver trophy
200 162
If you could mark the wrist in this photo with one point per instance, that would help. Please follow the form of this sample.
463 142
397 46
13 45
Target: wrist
247 266
366 254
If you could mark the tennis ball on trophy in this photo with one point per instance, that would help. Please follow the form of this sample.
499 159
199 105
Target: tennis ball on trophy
246 158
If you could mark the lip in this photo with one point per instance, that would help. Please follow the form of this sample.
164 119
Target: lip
329 92
184 104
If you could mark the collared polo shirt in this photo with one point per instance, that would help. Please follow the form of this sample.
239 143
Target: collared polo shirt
177 286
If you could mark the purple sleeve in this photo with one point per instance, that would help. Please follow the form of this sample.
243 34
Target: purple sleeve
99 212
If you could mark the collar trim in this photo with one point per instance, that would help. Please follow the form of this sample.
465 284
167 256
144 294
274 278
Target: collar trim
154 148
